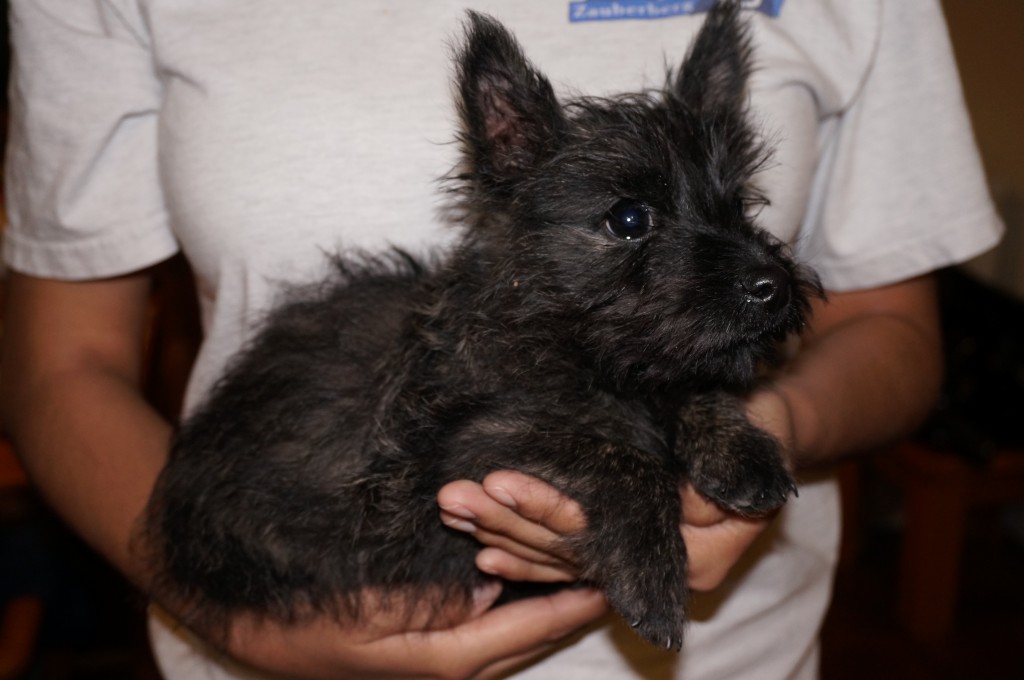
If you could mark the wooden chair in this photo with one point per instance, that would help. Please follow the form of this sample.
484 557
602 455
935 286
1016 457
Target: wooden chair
939 492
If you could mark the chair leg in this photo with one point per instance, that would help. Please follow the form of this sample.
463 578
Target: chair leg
20 622
850 475
936 519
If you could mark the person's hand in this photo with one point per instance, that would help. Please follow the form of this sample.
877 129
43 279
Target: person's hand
716 539
520 519
481 643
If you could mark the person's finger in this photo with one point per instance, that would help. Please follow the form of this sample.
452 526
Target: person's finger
490 514
547 550
715 539
510 635
465 506
512 567
699 511
535 500
713 550
484 647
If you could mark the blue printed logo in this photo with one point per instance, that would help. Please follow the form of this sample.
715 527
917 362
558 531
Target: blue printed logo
614 10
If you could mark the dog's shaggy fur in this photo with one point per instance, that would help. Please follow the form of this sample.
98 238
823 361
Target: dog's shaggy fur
609 301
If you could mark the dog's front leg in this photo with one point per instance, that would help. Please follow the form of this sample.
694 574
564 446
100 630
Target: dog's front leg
632 547
728 460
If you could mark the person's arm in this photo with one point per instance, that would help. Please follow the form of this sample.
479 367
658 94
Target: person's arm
70 400
868 371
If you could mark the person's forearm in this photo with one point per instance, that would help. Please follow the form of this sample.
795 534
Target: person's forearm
94 448
870 375
70 401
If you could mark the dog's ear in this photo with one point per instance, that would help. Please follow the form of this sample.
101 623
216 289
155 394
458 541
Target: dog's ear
713 77
710 91
510 114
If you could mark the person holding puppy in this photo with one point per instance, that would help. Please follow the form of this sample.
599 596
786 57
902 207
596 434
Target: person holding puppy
140 128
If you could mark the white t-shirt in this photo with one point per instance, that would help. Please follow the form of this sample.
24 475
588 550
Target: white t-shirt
257 134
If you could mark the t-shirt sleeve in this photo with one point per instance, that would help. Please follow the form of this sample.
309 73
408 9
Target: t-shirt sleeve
901 186
82 182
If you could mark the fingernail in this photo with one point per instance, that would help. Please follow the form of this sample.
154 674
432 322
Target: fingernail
458 524
484 562
487 593
459 511
592 594
499 494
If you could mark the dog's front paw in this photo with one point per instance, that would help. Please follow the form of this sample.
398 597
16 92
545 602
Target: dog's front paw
731 462
641 567
749 479
657 613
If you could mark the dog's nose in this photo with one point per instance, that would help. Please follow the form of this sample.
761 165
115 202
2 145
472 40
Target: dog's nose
768 285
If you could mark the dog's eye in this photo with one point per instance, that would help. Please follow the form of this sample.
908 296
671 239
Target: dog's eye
628 220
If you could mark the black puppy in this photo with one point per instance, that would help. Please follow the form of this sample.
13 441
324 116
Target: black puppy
610 298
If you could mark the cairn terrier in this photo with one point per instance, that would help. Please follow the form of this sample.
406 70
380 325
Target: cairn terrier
609 304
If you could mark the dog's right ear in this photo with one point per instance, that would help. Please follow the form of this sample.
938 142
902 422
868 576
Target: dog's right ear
510 115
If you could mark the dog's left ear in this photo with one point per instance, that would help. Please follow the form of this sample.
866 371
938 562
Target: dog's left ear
510 114
713 78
